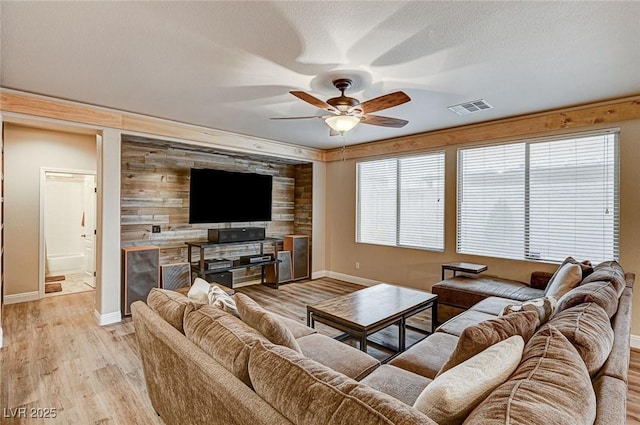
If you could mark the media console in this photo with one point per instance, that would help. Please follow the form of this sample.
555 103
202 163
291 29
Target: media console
224 275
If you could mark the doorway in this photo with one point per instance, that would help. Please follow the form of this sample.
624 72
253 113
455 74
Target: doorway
67 232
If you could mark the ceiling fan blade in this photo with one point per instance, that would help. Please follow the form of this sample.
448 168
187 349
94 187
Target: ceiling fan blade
384 121
296 118
383 102
313 100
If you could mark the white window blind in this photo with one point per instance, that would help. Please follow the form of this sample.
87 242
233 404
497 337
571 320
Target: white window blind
401 201
542 200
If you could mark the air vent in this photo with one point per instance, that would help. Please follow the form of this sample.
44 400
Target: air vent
470 107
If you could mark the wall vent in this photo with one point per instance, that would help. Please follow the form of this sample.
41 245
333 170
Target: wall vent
470 107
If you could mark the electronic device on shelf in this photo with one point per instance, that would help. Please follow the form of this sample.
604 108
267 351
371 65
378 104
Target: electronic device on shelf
218 264
256 258
217 196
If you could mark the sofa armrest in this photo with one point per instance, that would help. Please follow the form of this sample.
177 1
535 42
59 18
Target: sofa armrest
539 280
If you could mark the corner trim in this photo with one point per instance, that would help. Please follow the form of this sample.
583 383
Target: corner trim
353 279
1 344
107 319
635 341
22 298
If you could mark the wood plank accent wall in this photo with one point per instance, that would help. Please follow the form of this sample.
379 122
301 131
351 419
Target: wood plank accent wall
155 191
303 207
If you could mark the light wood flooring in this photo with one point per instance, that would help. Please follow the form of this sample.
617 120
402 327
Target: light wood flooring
56 357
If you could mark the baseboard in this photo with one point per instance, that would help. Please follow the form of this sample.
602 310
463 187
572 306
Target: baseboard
319 274
352 279
107 319
22 298
635 341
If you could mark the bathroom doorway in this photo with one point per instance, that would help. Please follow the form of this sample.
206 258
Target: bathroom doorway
67 231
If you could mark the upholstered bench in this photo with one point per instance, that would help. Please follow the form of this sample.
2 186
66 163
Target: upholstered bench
459 293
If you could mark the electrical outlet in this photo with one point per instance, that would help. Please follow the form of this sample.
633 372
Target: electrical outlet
357 265
155 229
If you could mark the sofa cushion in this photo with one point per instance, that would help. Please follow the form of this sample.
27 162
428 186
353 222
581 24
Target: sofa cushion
602 293
338 356
566 278
492 305
452 395
543 307
462 321
224 337
171 306
609 271
427 356
399 383
588 328
479 337
265 322
550 386
308 393
297 328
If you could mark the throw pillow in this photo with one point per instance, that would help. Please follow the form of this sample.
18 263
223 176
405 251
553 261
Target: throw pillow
550 386
566 278
452 395
602 293
199 291
588 328
477 338
219 298
265 322
171 306
609 271
544 307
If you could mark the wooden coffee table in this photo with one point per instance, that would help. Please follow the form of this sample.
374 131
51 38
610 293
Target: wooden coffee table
365 312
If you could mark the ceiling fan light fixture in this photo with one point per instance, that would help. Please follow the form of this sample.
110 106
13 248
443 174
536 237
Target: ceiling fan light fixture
342 123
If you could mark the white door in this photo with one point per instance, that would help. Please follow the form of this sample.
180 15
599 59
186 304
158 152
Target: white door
89 230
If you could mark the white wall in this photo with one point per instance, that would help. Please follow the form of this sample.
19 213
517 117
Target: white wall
26 151
64 206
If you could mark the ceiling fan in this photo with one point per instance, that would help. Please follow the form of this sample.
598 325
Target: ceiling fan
347 112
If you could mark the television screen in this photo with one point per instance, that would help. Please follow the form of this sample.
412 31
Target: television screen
217 196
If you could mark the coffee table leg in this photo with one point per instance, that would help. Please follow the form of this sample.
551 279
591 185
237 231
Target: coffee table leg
402 335
363 342
434 316
309 319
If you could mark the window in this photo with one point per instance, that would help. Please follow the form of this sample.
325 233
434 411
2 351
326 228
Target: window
401 201
540 200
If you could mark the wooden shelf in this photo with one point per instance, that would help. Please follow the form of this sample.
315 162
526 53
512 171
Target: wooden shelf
199 267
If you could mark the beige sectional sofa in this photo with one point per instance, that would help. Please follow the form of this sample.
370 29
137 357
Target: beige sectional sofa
203 365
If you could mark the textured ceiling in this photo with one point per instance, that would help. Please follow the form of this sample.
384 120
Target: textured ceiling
230 65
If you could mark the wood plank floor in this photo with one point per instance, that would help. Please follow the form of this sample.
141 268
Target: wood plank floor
55 356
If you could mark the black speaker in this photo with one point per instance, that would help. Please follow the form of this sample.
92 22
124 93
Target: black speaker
140 273
298 245
240 234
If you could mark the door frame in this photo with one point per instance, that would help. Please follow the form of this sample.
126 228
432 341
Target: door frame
43 192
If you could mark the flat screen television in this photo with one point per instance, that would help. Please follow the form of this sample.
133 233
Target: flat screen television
217 196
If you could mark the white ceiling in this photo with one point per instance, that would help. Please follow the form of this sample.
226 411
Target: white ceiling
230 65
